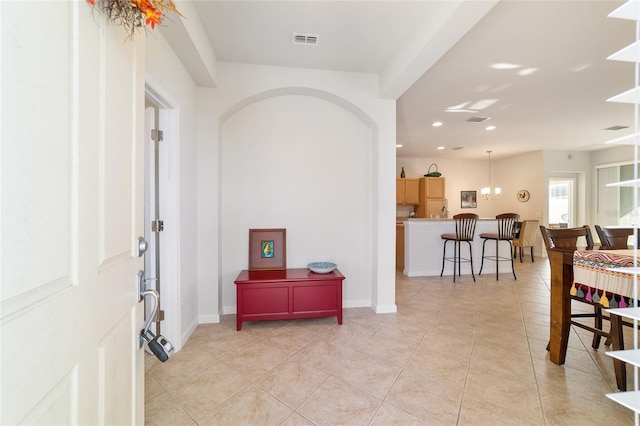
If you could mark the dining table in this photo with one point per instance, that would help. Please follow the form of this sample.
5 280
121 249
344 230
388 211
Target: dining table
593 271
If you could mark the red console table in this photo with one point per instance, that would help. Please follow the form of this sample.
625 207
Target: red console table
288 294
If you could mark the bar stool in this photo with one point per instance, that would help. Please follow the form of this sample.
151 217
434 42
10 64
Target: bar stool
465 230
506 227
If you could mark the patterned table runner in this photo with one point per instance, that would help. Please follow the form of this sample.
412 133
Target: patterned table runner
597 283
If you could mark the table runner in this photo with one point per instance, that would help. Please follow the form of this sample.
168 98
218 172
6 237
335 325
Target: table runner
591 276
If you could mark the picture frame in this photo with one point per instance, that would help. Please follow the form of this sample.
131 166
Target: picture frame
267 249
468 200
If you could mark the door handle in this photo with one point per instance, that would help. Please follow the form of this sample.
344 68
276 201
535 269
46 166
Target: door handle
159 345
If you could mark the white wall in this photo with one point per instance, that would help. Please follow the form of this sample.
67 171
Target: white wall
170 82
284 167
615 154
268 138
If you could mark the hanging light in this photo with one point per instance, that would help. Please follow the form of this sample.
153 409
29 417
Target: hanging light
486 192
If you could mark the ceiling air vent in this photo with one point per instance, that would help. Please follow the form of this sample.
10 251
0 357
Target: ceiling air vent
477 119
618 127
308 39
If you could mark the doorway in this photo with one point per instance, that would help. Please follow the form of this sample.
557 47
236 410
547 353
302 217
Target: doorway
162 204
562 202
153 224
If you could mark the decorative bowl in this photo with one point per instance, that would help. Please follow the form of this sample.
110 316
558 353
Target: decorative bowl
322 267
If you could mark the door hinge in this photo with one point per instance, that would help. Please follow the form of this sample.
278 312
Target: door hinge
157 135
157 226
159 315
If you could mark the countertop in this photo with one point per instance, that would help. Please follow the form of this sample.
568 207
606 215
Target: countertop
433 219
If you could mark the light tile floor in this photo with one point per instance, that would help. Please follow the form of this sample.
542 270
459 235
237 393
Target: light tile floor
454 354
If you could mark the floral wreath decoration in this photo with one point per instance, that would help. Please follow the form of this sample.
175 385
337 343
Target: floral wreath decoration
135 14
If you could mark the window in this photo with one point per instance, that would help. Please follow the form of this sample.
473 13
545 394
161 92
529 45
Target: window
561 202
615 203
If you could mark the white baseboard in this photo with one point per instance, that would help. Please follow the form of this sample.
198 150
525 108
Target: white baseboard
364 303
209 319
385 309
229 310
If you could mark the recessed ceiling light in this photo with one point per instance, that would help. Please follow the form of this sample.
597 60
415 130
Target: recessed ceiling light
437 123
490 127
440 147
398 145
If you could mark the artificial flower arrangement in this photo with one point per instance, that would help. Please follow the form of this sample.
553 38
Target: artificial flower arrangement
134 14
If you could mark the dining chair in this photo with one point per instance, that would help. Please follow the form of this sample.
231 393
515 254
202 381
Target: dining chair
566 239
506 228
614 238
465 230
526 238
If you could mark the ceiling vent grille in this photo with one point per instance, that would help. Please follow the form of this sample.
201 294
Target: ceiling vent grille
618 127
308 39
476 119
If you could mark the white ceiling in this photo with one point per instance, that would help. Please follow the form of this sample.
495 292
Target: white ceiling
561 105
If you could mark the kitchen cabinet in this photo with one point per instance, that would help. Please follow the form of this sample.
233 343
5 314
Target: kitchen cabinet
407 191
433 208
431 201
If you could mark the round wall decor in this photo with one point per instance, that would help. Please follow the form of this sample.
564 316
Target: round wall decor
523 195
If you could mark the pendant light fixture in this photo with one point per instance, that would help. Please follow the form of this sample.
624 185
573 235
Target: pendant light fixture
487 191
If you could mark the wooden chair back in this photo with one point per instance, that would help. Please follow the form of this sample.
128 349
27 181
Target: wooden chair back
614 238
507 225
465 226
566 239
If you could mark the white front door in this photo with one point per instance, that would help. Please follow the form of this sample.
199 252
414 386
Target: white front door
71 208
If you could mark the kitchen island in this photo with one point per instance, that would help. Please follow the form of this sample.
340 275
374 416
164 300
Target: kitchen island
423 248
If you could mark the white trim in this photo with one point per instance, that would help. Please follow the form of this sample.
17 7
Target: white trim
363 303
385 309
617 164
209 319
170 287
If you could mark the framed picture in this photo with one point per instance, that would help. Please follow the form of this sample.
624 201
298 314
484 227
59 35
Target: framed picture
468 199
267 249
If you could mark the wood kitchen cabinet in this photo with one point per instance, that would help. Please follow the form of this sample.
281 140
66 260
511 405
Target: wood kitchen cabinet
407 191
431 201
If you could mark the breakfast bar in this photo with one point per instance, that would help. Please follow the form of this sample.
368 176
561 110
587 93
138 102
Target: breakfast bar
423 247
